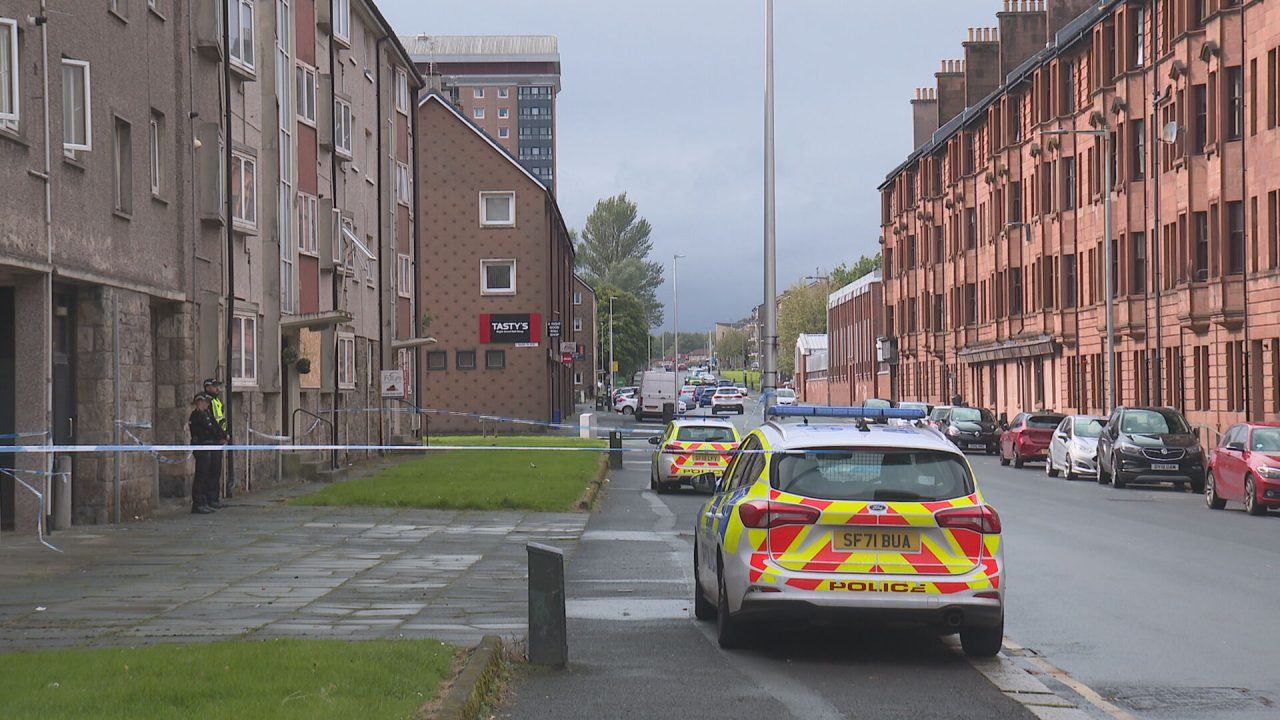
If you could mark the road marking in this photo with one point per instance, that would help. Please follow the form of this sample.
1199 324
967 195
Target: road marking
1019 685
1083 690
800 700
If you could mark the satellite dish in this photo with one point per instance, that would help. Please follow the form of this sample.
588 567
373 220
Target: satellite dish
1169 135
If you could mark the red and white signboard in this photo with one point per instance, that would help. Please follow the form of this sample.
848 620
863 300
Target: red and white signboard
393 383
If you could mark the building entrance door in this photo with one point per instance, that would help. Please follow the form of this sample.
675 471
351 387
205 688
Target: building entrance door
8 411
64 376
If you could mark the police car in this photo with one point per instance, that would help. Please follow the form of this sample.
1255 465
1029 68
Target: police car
690 451
830 519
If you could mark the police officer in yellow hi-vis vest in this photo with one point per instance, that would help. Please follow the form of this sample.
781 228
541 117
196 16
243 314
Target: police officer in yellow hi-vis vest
213 389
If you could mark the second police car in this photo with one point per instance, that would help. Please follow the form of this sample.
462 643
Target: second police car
689 450
850 520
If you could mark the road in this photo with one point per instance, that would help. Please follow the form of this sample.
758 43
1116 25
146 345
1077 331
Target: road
1143 601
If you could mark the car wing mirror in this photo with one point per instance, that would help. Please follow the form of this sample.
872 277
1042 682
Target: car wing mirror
655 440
1237 446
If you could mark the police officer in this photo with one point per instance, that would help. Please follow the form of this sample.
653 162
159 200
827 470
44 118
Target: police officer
204 431
213 389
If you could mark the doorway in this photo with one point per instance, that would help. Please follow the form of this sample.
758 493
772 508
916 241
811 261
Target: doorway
8 410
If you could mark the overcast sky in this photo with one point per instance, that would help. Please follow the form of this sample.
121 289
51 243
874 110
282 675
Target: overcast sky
663 99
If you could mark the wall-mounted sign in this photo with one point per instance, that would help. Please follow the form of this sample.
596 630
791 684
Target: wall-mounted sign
568 347
553 329
510 328
566 358
393 383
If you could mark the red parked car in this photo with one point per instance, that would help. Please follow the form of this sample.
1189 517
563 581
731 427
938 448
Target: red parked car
1027 438
1245 468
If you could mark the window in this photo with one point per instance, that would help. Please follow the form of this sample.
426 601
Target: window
402 91
1138 141
244 350
404 275
240 18
478 113
504 93
403 194
577 298
504 113
498 277
343 123
577 378
1139 36
1069 281
346 362
1138 251
1201 267
153 142
342 20
244 195
465 359
308 224
1235 238
504 133
1200 105
77 110
1069 183
120 8
495 359
306 94
498 208
437 360
123 162
1235 103
345 227
577 324
405 361
478 93
9 95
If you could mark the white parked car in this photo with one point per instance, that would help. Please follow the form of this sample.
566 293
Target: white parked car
686 395
1073 451
727 399
626 404
785 396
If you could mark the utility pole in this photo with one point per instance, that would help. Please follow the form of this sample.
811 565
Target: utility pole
613 380
769 376
675 308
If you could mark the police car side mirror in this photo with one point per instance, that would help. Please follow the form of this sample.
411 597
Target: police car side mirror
655 440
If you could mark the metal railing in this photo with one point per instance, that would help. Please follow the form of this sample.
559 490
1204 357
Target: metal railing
333 431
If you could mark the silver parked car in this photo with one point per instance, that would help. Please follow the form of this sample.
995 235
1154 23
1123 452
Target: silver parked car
1073 451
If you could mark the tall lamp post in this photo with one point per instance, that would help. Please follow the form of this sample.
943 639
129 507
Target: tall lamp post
613 379
1109 289
769 376
675 309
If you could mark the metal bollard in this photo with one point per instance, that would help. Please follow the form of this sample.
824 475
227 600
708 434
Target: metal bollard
615 449
62 494
548 637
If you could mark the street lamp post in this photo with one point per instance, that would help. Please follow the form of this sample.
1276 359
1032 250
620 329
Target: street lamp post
769 376
613 379
675 308
1109 289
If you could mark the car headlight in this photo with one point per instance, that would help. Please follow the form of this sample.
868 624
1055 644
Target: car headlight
1129 450
1268 471
1194 451
953 430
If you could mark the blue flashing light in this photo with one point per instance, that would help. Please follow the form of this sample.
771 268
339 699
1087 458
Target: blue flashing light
852 413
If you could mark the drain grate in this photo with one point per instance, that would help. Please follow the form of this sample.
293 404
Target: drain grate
1186 699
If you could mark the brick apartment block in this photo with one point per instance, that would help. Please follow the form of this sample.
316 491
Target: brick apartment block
993 229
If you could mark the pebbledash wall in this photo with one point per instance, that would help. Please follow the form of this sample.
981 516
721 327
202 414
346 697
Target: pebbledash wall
993 227
500 253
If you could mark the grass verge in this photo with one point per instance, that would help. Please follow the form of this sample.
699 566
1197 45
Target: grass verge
477 479
245 680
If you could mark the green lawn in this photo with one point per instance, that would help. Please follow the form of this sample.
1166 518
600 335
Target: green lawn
752 377
303 679
477 479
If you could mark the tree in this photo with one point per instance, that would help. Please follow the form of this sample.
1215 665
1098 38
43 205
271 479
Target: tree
731 348
614 250
844 274
630 330
801 309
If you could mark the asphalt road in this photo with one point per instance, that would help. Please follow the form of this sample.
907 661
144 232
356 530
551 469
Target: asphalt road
1146 604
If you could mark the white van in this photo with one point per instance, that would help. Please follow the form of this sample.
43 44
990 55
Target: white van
657 388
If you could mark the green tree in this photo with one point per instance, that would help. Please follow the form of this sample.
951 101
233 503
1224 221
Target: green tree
731 348
630 330
614 250
801 309
845 274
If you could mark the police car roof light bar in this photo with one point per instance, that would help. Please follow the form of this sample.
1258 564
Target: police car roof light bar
851 413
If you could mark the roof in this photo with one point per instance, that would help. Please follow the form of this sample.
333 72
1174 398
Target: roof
788 436
808 342
395 40
718 422
485 48
855 288
437 96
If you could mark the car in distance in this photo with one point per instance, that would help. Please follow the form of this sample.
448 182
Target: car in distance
925 408
727 399
1245 468
1027 438
704 396
839 521
937 418
657 390
1073 451
1149 445
785 396
971 428
688 393
691 450
626 404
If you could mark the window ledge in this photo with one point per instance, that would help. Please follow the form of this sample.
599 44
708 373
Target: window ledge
118 16
156 11
126 216
240 228
73 162
244 72
159 200
14 137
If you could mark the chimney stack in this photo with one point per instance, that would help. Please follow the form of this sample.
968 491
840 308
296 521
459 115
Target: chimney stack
1062 12
1023 32
981 64
924 115
951 99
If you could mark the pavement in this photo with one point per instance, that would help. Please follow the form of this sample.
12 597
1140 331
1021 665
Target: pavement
265 569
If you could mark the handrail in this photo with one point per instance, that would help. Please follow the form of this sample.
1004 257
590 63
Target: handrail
293 426
426 418
1216 433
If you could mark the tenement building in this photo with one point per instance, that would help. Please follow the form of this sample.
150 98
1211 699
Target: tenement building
855 324
993 227
177 207
499 285
585 373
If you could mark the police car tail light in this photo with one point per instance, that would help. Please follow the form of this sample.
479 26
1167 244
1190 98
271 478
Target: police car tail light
765 514
981 519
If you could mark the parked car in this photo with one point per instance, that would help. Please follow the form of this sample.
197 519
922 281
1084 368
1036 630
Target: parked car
785 396
688 393
970 428
724 382
925 408
704 396
1027 438
937 418
690 449
657 389
727 399
1149 445
1074 448
1245 468
619 392
626 404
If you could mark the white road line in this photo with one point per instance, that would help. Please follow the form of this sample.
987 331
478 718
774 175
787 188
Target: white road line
800 700
1020 685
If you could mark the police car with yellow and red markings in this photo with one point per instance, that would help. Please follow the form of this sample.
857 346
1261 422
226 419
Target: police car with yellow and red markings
693 451
818 517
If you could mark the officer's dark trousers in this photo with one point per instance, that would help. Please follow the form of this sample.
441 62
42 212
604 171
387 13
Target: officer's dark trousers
204 488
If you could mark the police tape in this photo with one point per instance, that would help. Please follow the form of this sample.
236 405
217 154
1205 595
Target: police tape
18 436
482 417
15 473
152 449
